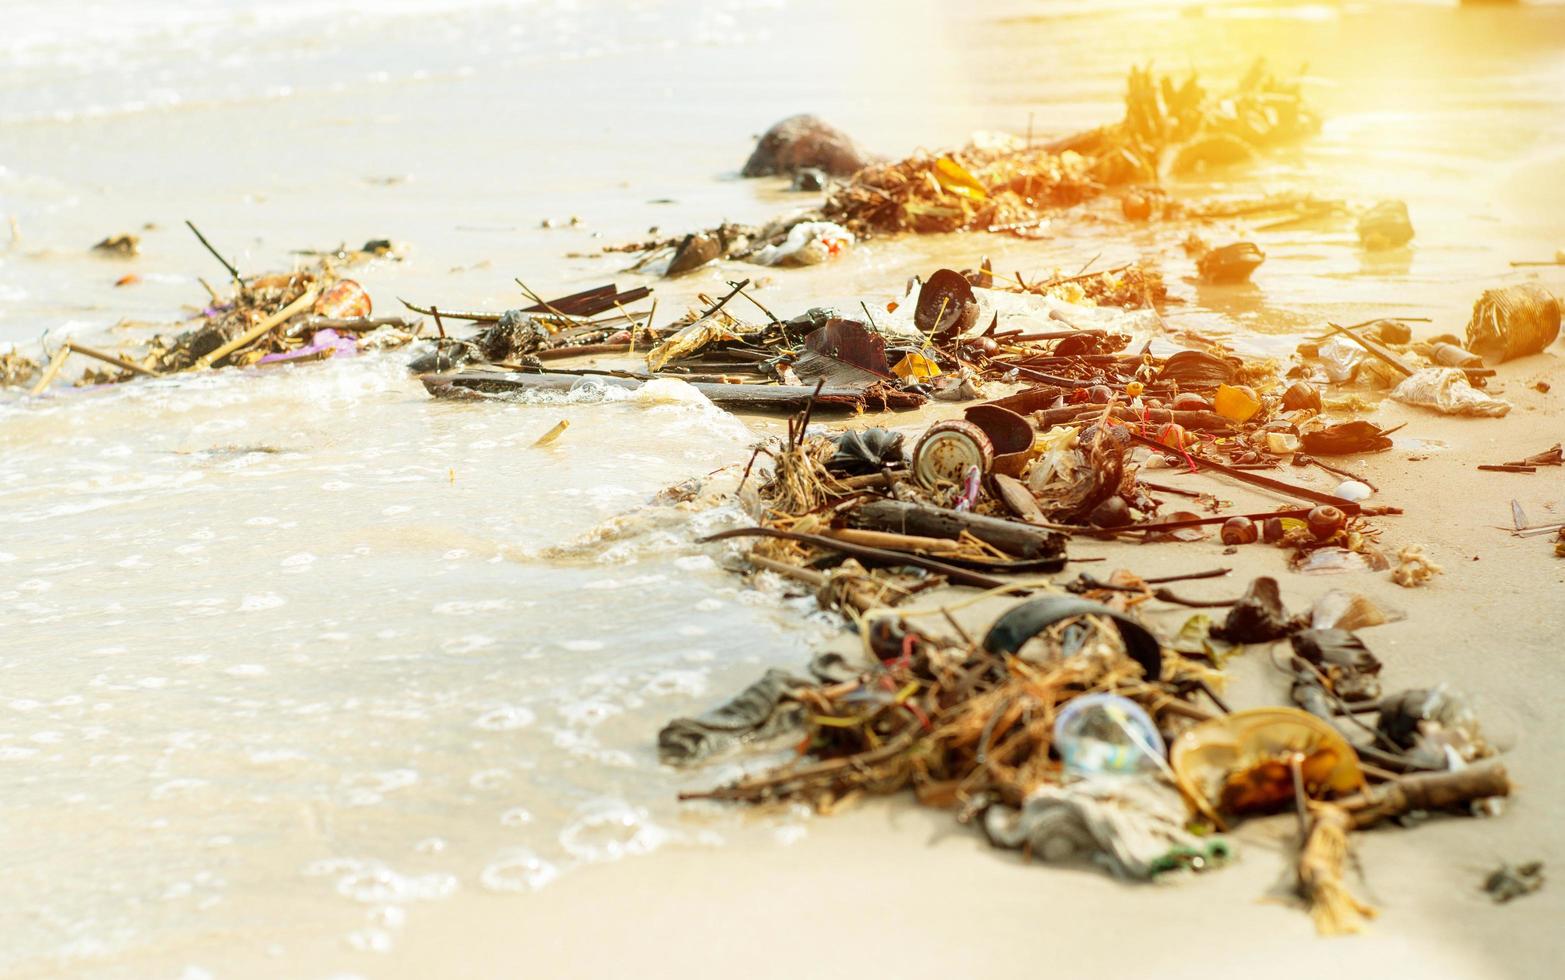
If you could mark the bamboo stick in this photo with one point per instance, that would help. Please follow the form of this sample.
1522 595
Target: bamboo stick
259 330
52 371
895 542
113 359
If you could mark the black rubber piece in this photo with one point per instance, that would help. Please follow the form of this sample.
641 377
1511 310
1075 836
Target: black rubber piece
1026 620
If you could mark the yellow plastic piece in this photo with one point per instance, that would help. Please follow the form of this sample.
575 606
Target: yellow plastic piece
915 365
1238 404
954 179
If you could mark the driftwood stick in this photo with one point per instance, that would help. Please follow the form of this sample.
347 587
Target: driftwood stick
114 359
215 253
1048 335
52 371
1206 421
1428 791
351 324
895 542
738 288
259 330
581 350
1078 276
807 575
1255 479
1011 537
958 576
476 316
1298 512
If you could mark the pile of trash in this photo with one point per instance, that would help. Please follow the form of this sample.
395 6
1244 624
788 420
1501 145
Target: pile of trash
998 184
1070 728
1169 128
308 314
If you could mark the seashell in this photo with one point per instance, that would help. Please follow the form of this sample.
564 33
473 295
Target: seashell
1353 490
1325 521
1301 395
1239 530
343 300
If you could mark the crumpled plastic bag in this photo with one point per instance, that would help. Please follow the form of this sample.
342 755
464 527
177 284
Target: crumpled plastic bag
1133 826
686 341
1446 390
1340 359
1059 460
761 711
808 243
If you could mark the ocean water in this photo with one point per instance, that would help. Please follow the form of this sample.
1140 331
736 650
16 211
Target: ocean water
286 655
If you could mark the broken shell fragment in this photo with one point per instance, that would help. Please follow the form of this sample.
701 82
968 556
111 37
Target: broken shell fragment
1282 443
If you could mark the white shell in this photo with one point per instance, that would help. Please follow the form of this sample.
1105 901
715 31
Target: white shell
1353 490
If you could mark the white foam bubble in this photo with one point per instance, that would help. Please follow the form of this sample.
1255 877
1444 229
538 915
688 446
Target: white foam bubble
606 830
261 602
517 870
470 643
517 816
505 718
373 883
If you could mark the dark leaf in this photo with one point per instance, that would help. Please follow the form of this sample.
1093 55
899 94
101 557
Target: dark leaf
1258 616
1347 437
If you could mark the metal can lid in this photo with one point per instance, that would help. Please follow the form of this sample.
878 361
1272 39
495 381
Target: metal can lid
947 450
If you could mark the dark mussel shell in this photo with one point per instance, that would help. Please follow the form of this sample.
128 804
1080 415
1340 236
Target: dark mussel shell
946 305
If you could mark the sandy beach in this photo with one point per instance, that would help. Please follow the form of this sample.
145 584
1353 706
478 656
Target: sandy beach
294 680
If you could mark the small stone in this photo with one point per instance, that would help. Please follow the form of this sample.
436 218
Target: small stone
805 141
